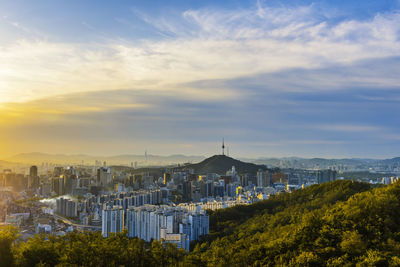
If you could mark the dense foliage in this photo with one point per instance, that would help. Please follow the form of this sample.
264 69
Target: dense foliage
329 224
365 175
342 223
85 249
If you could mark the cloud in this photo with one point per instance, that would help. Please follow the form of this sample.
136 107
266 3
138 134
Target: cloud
201 44
281 79
118 121
130 121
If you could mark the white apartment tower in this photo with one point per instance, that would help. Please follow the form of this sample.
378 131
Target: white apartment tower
112 220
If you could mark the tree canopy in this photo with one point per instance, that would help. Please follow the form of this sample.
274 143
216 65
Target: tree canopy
342 223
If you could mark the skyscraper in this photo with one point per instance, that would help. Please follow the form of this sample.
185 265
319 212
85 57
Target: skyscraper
112 220
33 179
263 178
326 176
33 171
104 176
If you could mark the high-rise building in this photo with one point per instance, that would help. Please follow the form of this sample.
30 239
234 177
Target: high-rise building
260 178
33 171
244 179
67 207
169 224
104 176
55 185
112 220
61 184
263 178
187 190
58 171
45 189
326 176
70 183
33 179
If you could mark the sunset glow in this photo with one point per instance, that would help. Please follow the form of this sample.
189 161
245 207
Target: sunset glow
262 73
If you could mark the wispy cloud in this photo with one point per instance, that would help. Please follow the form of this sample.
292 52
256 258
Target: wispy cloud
206 44
24 29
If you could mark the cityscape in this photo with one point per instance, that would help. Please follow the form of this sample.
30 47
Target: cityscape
152 203
199 133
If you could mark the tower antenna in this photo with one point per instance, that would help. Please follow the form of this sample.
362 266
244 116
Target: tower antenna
223 147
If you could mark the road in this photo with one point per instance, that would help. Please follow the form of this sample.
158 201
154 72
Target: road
66 221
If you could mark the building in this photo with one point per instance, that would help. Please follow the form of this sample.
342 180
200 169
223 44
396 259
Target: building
70 183
33 179
263 178
149 222
180 240
33 171
67 207
187 190
104 176
325 176
43 226
211 205
45 189
112 220
14 220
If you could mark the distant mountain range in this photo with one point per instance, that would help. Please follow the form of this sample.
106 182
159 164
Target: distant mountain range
155 160
3 163
6 164
141 160
321 163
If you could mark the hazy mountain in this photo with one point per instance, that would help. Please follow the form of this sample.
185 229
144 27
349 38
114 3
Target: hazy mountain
141 160
6 164
295 162
393 161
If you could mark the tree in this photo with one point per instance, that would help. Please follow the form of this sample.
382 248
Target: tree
8 236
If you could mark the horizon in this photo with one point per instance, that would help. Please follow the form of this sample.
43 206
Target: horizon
205 156
309 79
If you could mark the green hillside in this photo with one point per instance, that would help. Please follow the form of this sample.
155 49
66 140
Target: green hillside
342 223
221 163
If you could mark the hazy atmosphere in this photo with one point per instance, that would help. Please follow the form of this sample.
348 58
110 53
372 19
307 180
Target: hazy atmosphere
274 78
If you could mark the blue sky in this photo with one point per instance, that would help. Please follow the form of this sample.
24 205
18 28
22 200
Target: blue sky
75 21
275 78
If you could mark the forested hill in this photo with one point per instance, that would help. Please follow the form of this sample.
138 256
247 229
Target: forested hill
334 224
310 198
221 163
342 223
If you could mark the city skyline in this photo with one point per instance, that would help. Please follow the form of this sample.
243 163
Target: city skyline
300 78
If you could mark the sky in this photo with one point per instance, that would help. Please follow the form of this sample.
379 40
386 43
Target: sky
274 78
